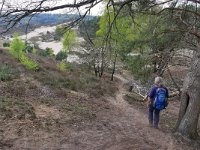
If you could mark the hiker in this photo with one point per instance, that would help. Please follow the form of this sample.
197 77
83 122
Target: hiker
157 101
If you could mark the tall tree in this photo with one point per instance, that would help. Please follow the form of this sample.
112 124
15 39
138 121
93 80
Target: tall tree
187 22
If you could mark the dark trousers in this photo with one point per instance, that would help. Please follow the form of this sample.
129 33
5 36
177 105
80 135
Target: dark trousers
153 116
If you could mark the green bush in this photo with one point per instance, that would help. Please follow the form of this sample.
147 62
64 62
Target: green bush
141 67
47 52
28 63
69 40
60 30
17 50
61 55
62 66
29 49
6 44
70 66
17 46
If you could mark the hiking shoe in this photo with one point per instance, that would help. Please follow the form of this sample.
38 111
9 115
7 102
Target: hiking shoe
150 125
156 127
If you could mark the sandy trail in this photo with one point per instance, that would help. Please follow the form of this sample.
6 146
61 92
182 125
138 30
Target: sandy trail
123 128
136 125
120 127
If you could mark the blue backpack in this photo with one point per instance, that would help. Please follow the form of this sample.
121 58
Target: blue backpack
160 101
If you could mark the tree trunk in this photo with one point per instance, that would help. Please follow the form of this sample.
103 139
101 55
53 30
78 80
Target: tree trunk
154 67
190 101
102 63
96 71
114 64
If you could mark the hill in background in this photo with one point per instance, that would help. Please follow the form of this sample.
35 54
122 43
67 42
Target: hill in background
43 19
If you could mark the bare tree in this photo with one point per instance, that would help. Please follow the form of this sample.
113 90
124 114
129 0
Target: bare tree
12 12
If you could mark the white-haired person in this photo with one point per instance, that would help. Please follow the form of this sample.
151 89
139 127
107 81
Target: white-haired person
157 100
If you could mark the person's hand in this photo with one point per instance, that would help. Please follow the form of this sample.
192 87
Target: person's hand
166 104
148 103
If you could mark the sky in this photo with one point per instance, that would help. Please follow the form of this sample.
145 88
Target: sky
97 10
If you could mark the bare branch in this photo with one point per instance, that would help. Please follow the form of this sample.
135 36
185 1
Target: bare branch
180 10
3 2
11 16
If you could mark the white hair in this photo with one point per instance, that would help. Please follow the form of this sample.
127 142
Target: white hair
158 81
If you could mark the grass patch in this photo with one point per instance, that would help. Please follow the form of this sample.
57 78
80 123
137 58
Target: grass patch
65 66
16 108
62 66
78 111
16 88
47 101
79 80
7 73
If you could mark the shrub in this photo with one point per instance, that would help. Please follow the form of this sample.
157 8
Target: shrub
62 66
47 52
16 89
141 67
9 107
17 46
70 66
6 44
59 32
28 63
69 40
17 50
29 49
5 73
61 55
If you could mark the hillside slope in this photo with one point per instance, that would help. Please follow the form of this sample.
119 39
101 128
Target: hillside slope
73 110
46 102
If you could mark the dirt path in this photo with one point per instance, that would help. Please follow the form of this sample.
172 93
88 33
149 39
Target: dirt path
119 127
122 127
136 125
